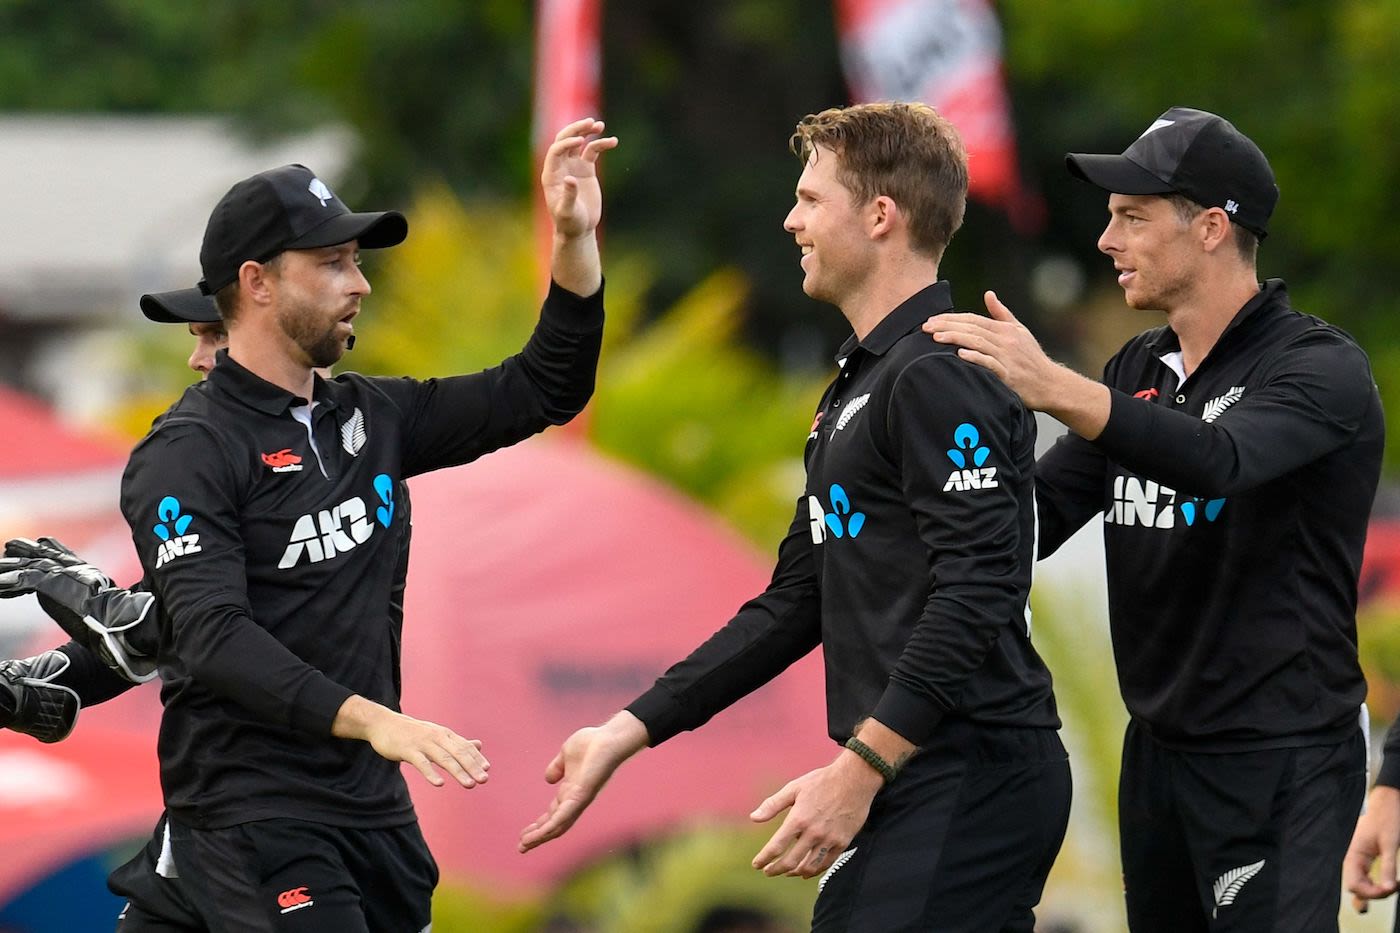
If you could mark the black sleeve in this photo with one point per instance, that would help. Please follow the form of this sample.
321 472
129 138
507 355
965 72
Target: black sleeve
768 634
977 585
457 419
87 676
1068 490
180 488
1389 775
1308 405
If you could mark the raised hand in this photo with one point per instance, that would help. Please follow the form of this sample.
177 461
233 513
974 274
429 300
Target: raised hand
570 177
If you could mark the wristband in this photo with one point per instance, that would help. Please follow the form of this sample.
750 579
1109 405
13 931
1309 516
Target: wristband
872 758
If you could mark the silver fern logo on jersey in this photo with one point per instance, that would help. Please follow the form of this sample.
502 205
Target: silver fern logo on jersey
352 433
1227 886
1216 406
852 408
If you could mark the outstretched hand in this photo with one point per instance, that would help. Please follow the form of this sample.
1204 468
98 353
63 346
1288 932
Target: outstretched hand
425 745
570 177
1002 344
588 758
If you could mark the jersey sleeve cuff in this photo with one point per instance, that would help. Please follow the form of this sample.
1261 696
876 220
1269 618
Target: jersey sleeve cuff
317 704
911 715
565 311
660 712
1127 425
1389 775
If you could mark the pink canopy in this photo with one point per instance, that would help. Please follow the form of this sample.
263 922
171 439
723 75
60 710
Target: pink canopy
548 586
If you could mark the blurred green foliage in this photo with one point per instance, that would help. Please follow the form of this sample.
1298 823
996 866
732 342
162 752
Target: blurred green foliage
704 96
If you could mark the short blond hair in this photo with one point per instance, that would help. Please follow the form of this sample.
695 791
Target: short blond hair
905 151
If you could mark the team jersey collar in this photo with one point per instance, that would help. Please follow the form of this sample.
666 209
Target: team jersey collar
1272 295
935 299
233 378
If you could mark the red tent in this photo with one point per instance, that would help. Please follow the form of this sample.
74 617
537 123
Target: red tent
548 586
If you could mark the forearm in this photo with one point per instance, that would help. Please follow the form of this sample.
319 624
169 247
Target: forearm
87 676
575 263
1080 404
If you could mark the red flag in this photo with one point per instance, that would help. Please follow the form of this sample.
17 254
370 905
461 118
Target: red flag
568 67
946 53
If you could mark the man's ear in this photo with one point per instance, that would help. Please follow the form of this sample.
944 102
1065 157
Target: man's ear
255 282
883 216
1214 228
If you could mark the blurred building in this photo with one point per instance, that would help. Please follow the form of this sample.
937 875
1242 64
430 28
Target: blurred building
100 208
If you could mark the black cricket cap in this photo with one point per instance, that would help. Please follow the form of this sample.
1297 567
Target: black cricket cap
280 209
1192 153
186 306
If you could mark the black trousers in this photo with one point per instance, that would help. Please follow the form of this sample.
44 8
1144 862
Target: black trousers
285 876
1237 841
961 841
154 904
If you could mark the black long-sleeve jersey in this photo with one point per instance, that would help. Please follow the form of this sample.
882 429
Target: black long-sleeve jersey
909 558
1235 508
270 533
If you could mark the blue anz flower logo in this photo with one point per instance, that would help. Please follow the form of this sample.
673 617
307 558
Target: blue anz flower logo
970 458
169 511
173 545
1192 507
384 487
965 438
841 505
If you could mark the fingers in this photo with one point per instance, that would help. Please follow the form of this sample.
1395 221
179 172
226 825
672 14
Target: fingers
586 126
441 748
997 310
795 854
554 772
563 812
774 805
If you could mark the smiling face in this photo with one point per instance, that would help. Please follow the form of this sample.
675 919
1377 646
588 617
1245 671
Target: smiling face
318 297
829 228
1154 250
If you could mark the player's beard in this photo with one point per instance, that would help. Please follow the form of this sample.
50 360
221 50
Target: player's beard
312 333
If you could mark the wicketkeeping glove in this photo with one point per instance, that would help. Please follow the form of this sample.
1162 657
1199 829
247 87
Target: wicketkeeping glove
31 703
98 615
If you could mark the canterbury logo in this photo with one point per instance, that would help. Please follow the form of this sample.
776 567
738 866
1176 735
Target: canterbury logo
1227 886
1216 406
294 899
835 867
852 408
352 433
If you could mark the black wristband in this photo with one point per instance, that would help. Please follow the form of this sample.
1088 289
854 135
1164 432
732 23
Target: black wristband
872 758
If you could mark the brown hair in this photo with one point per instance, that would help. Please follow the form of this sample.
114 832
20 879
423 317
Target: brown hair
226 298
1246 243
904 151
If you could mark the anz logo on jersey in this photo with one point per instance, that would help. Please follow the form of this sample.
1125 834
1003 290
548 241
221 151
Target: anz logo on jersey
179 543
970 457
1148 504
841 522
328 533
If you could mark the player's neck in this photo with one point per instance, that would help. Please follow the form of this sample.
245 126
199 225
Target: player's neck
886 288
272 360
1200 320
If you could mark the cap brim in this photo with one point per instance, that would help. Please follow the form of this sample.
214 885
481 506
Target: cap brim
372 230
186 306
1114 173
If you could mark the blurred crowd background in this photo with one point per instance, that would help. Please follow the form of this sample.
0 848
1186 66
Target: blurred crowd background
123 121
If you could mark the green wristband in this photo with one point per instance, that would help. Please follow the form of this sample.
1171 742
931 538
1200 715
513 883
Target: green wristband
872 758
